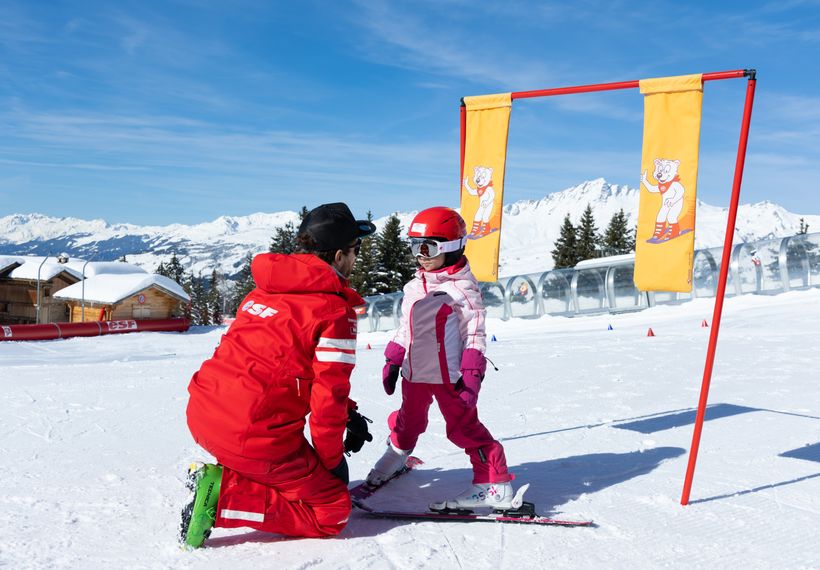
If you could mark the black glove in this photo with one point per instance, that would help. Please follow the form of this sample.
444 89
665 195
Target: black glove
341 472
357 432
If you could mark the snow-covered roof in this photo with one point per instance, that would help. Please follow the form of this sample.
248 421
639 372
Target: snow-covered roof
94 268
31 268
7 261
113 288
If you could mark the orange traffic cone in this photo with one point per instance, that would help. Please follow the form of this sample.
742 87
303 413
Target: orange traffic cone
704 324
649 332
368 346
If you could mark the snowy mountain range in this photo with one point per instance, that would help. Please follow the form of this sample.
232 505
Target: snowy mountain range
530 228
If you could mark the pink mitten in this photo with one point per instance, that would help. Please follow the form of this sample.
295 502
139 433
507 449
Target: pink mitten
473 366
468 386
394 356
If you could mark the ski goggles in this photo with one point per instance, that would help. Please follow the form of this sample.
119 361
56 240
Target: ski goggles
426 247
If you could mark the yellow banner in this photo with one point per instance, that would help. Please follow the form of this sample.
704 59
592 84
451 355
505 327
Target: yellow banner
665 245
482 182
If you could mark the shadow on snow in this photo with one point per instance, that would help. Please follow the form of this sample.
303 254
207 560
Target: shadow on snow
554 482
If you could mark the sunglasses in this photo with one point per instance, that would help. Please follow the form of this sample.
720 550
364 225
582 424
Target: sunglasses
357 247
426 247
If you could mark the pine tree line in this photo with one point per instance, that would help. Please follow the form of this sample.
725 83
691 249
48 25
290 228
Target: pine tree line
207 304
576 243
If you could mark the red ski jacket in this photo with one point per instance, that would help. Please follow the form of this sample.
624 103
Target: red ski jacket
289 352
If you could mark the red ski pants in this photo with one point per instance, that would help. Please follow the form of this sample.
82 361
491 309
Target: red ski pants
296 498
463 428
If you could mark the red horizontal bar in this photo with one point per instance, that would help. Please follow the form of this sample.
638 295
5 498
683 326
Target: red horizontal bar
51 331
618 85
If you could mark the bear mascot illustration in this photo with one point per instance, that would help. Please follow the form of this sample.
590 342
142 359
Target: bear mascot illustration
483 180
671 191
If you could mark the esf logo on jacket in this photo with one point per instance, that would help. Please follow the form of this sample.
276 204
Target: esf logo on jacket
258 309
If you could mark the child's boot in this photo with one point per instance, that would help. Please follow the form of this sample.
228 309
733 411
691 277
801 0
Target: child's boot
391 462
494 495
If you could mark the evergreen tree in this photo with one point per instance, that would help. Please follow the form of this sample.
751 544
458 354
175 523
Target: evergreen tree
395 265
197 310
284 239
588 238
189 308
302 213
160 270
175 269
617 237
804 227
243 285
215 299
565 253
364 272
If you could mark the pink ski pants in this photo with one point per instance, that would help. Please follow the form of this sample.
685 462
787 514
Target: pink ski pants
463 428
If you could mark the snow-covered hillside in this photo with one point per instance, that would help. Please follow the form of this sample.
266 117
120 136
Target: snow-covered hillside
529 231
599 422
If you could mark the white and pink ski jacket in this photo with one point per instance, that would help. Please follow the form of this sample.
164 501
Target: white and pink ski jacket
442 316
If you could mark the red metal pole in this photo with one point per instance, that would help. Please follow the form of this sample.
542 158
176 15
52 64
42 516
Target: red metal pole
463 143
734 74
724 272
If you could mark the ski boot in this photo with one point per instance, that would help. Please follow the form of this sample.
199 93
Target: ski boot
391 462
498 496
204 481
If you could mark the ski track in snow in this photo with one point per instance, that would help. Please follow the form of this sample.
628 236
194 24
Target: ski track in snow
95 448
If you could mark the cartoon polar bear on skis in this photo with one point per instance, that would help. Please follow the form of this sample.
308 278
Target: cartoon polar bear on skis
483 179
671 191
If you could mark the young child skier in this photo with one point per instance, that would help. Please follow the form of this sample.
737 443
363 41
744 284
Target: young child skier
439 349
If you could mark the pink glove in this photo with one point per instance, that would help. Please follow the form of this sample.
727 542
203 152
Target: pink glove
473 366
394 356
467 387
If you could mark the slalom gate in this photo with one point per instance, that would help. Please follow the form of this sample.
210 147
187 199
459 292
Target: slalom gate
666 220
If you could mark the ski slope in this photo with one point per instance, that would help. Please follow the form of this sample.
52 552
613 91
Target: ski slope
95 447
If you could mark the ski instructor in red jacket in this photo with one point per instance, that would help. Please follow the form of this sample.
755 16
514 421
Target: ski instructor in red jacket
289 353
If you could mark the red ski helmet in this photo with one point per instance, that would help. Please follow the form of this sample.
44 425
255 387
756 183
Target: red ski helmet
438 222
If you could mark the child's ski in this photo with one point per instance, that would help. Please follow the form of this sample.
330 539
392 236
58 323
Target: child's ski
467 516
363 490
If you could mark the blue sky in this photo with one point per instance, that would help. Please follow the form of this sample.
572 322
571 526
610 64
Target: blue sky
186 110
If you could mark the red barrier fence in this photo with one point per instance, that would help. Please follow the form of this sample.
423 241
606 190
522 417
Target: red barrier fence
66 330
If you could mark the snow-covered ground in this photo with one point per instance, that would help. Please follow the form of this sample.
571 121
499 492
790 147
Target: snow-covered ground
94 449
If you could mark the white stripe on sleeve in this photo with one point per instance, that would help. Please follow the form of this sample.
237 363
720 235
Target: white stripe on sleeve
335 356
341 343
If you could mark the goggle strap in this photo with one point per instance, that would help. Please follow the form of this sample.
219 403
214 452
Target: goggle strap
440 246
448 246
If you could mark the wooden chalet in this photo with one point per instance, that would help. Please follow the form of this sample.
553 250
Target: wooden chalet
135 296
19 276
